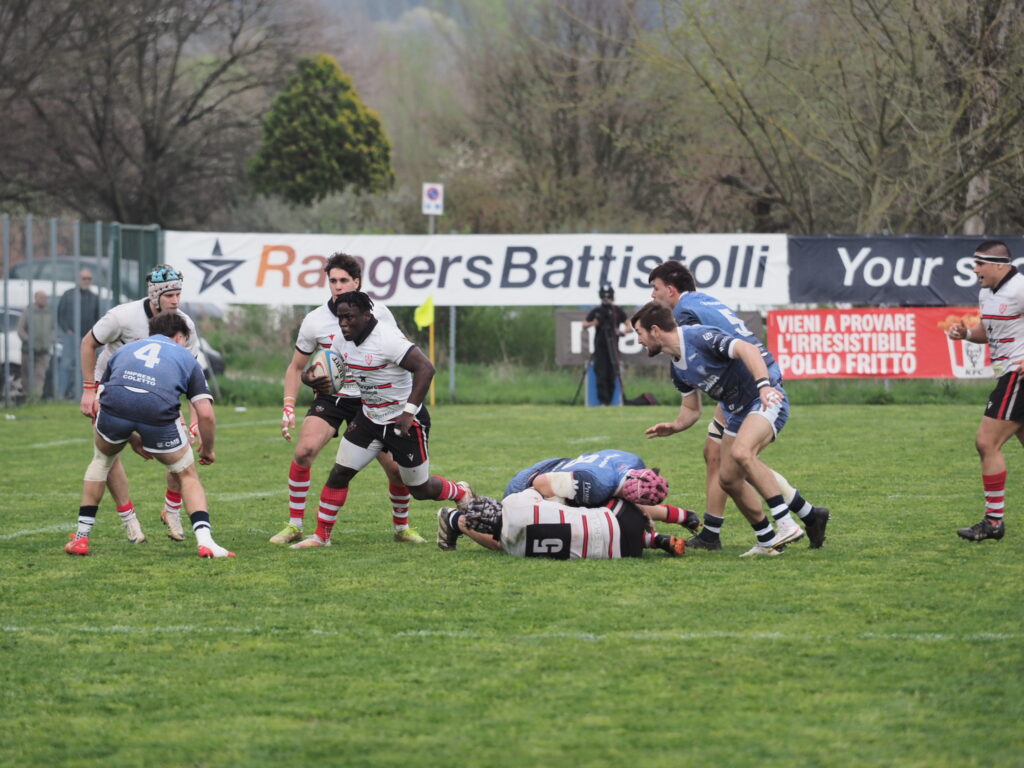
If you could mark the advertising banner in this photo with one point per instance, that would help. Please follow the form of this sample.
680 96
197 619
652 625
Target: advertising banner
743 270
884 343
902 271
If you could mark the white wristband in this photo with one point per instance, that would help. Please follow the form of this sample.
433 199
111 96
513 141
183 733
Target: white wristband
411 408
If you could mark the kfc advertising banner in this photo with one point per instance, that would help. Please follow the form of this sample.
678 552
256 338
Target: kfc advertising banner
476 270
905 271
885 343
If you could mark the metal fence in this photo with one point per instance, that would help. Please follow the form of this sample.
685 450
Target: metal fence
48 305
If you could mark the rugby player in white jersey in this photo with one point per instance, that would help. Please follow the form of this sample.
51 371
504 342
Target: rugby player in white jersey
1001 303
393 377
122 325
526 524
329 410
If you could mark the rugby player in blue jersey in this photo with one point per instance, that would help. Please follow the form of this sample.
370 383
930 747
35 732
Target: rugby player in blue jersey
673 285
754 404
139 402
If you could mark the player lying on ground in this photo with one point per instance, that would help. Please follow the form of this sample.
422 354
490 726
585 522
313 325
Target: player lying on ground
139 399
526 524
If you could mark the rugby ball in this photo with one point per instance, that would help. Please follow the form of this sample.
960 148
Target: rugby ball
325 362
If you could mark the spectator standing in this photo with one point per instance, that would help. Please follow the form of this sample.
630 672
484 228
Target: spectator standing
77 312
35 329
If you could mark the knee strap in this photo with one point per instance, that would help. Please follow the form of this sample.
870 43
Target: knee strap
184 462
99 467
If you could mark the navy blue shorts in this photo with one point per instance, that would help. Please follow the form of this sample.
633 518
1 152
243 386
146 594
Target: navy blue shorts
156 438
777 415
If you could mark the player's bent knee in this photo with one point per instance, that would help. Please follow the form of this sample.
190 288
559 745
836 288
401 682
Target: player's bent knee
99 467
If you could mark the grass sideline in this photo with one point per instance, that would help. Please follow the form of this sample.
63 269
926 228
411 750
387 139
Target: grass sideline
896 644
510 384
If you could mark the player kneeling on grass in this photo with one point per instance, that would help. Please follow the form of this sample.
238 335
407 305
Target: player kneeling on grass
393 376
526 524
139 401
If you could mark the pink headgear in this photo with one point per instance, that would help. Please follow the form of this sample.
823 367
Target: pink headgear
644 486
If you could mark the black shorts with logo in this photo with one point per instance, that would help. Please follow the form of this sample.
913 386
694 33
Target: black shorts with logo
335 410
408 451
632 525
1006 402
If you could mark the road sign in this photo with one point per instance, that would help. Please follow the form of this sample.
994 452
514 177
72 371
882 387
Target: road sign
433 199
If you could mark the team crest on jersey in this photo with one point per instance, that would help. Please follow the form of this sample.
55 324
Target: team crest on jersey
369 360
1003 308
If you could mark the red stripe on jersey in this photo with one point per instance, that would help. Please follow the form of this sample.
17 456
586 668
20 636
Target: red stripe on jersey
384 386
366 367
561 516
380 405
536 514
586 536
1000 317
611 534
1005 341
1011 385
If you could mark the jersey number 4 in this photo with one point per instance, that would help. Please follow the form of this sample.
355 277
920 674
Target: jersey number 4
149 354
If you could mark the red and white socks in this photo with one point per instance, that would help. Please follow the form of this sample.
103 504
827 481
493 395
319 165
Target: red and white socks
298 490
400 497
995 496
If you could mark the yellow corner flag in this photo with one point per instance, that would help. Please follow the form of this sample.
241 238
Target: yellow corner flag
424 314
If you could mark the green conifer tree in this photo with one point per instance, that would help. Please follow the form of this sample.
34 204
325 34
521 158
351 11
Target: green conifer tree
319 137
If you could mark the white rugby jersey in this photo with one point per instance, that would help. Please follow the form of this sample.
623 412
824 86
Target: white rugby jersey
129 322
1002 316
528 521
319 329
384 385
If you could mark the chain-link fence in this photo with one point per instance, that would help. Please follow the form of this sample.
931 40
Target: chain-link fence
60 275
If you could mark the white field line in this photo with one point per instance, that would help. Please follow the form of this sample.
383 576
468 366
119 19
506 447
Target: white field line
188 629
222 497
53 444
76 440
68 526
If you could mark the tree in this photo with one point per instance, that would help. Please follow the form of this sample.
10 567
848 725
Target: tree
145 111
560 112
319 138
863 115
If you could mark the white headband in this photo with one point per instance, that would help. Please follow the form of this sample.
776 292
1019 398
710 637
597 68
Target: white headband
992 258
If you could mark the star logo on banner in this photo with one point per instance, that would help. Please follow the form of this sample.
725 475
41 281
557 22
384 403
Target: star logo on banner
217 270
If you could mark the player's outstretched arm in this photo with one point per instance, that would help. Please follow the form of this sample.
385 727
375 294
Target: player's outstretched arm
689 414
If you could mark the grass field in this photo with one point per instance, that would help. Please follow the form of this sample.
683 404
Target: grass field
897 644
